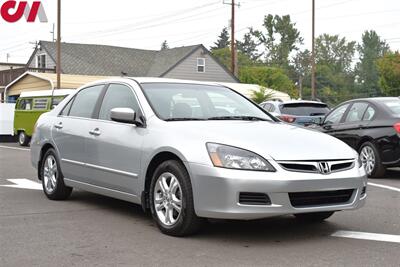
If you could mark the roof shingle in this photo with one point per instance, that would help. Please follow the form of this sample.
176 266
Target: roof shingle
89 59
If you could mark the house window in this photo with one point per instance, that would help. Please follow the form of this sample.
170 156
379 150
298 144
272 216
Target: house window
41 61
201 65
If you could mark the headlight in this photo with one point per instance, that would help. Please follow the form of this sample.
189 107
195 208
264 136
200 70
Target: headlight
358 157
236 158
360 164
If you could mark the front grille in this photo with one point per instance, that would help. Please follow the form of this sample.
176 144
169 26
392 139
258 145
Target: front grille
298 167
341 166
246 198
312 166
304 199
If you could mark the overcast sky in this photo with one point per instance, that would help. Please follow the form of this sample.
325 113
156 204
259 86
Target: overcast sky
146 23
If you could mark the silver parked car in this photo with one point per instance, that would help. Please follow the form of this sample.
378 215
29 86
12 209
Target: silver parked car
189 151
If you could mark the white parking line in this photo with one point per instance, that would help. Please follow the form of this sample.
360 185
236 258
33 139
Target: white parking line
23 184
14 148
385 187
368 236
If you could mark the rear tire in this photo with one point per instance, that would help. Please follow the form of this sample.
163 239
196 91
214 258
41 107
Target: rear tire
371 160
171 200
52 177
314 217
23 139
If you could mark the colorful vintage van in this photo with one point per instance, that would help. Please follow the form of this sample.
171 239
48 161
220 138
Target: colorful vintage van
29 107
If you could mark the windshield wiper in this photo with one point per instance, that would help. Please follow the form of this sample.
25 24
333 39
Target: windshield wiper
185 119
242 118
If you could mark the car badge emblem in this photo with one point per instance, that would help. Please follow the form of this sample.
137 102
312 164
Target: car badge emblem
323 167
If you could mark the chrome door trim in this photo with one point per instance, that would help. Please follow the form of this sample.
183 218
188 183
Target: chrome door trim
97 167
73 162
101 168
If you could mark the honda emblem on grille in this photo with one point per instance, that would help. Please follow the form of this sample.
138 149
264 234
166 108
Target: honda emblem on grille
323 167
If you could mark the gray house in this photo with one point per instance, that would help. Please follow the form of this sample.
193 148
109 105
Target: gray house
188 62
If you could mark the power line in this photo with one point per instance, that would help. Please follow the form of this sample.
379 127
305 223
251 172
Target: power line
163 20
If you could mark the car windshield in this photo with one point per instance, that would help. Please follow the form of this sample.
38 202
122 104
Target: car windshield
305 109
175 101
393 106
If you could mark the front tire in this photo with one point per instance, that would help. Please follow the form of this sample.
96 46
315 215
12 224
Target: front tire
314 217
171 200
23 139
371 160
52 177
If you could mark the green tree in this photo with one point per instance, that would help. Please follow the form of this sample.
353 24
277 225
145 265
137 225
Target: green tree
269 77
301 68
334 57
370 50
389 73
280 39
223 40
261 95
164 45
248 47
224 56
335 52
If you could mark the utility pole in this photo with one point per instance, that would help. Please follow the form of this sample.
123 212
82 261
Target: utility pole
58 63
58 67
313 88
234 67
233 48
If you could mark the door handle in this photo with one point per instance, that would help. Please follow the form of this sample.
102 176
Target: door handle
95 132
59 126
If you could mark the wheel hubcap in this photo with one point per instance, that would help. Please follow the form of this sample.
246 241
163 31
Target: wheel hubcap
50 173
21 138
368 159
168 199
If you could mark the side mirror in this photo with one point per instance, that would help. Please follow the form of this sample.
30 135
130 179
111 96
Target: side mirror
125 115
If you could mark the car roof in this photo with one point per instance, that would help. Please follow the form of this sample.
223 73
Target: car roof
168 80
375 100
144 80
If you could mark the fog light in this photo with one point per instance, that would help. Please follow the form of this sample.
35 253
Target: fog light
363 191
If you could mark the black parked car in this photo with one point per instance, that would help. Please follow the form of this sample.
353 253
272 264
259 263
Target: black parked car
372 127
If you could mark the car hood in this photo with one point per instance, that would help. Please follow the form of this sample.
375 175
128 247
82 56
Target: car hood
279 141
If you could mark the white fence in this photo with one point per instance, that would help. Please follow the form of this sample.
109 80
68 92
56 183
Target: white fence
7 119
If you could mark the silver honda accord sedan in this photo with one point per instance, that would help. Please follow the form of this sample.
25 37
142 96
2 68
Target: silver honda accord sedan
191 150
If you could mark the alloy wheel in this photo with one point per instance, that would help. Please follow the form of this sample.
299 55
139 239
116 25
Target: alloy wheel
50 173
368 159
168 199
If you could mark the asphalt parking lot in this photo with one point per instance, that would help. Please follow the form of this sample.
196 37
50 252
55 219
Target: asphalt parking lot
92 230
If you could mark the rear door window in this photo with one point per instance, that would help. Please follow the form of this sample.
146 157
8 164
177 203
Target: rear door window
369 114
356 112
304 109
85 102
336 116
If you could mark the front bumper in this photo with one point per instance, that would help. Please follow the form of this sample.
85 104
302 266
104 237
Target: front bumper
216 191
